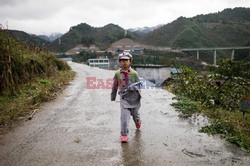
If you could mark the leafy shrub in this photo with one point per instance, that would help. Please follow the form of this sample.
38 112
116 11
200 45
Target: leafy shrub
227 87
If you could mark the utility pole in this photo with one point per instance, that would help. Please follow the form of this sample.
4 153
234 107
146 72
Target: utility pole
7 26
198 56
214 57
232 55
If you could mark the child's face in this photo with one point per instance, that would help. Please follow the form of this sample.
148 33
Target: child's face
125 63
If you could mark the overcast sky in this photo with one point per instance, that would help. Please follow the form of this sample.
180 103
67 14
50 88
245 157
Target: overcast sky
49 16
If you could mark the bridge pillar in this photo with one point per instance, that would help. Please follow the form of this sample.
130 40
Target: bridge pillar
198 56
232 54
214 57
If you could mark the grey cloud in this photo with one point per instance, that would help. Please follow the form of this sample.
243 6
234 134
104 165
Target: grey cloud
59 15
29 9
8 2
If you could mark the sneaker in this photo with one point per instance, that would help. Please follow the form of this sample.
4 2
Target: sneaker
138 124
124 139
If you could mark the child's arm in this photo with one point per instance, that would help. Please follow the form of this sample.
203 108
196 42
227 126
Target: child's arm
114 88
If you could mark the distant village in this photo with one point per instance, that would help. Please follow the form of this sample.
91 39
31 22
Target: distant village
122 45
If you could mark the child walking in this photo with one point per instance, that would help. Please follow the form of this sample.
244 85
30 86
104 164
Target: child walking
127 81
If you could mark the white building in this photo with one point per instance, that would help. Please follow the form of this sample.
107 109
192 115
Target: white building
101 63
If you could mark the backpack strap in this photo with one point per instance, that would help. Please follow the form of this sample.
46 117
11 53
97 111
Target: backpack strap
132 74
118 74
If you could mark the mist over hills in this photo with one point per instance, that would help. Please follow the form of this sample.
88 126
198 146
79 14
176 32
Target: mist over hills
50 37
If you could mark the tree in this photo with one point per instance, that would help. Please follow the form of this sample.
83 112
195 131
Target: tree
87 40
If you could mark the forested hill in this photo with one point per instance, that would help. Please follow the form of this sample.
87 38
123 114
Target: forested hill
29 39
87 35
231 27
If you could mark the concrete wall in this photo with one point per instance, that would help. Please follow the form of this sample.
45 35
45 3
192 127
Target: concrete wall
158 73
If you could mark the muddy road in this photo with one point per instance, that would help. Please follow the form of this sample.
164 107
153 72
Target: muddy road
82 127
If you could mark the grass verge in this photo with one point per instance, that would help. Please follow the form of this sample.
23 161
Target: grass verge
229 125
31 95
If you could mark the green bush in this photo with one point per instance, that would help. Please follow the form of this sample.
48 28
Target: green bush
227 87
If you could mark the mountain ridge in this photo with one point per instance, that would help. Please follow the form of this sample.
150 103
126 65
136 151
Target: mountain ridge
27 38
225 28
87 35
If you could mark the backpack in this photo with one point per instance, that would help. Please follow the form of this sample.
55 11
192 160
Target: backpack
132 75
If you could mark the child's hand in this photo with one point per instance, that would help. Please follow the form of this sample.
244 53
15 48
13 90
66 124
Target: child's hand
131 88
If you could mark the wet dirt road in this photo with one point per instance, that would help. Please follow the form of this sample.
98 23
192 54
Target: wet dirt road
82 127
